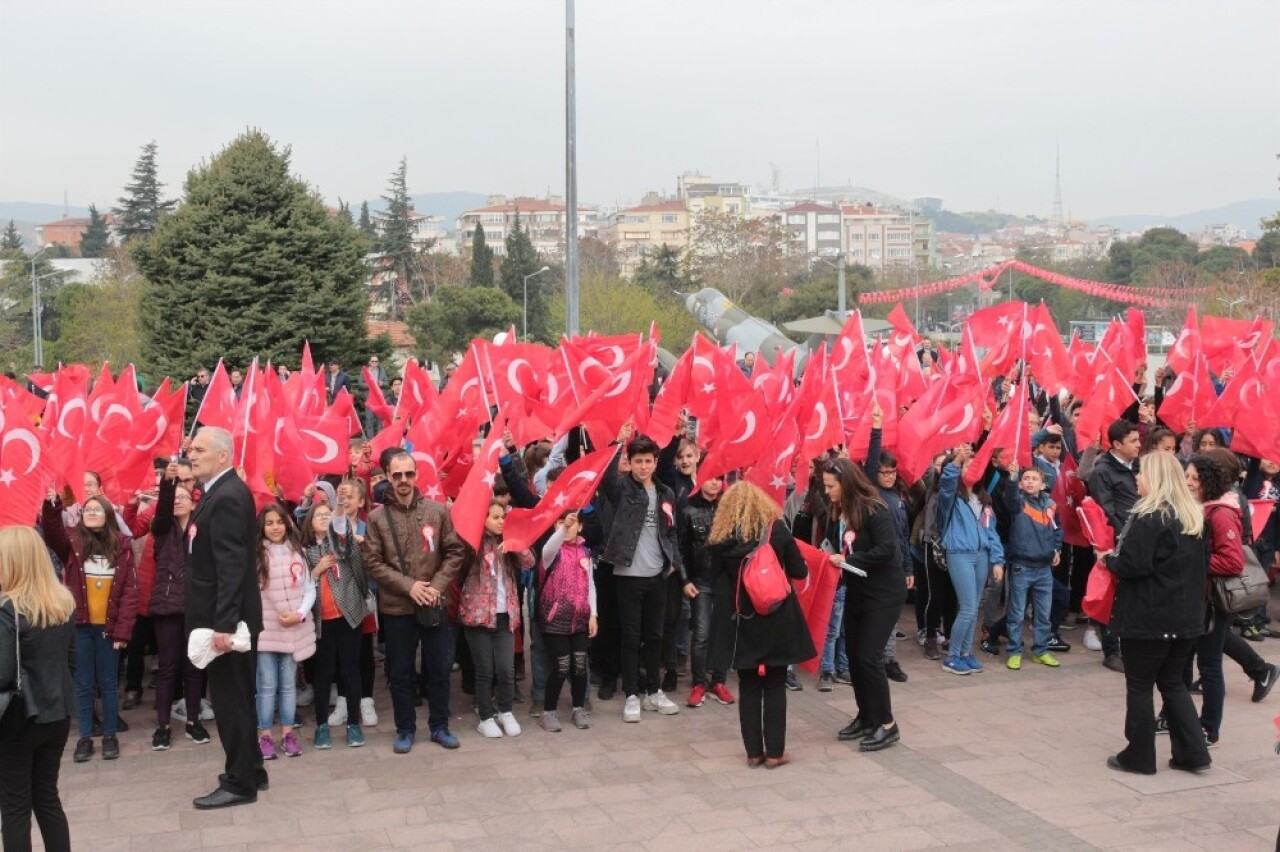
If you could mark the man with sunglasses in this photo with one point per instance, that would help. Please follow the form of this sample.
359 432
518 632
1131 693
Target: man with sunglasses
413 553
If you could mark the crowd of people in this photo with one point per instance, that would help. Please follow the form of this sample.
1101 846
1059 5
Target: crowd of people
640 593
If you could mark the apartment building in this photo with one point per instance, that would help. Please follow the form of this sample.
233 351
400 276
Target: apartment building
878 238
641 230
815 228
544 219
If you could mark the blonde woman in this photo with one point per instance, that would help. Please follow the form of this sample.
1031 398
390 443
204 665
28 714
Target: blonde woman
759 646
36 610
1161 565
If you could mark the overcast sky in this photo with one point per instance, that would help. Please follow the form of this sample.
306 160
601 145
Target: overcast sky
1159 106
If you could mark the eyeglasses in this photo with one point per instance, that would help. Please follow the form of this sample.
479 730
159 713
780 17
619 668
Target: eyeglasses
893 471
322 516
404 474
93 510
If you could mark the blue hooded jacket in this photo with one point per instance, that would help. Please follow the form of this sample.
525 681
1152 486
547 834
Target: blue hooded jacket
1034 533
963 531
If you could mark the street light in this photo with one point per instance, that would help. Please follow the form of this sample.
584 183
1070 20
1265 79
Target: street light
37 345
526 298
1231 304
841 297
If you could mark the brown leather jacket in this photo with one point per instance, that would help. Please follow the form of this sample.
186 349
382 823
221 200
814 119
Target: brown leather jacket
432 552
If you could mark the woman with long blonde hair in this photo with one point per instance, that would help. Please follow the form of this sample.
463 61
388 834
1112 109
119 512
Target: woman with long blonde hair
35 626
760 646
1161 564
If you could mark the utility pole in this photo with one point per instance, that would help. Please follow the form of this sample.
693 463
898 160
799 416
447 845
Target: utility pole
571 319
842 296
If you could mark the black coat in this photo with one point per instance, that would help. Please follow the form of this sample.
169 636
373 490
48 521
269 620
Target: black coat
692 531
1115 488
744 642
222 569
876 551
48 659
630 504
1162 574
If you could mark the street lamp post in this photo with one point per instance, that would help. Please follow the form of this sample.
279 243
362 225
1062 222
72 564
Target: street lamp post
526 298
842 299
571 170
37 344
1231 304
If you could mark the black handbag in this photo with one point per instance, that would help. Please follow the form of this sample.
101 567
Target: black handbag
13 707
1246 591
428 616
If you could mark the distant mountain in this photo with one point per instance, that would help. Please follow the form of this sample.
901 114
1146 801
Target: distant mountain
450 205
30 211
1246 214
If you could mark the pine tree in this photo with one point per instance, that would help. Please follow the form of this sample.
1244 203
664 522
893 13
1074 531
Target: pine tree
11 239
396 243
94 241
251 264
344 212
522 260
366 223
142 206
481 260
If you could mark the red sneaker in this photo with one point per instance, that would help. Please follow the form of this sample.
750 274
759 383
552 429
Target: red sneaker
697 695
721 693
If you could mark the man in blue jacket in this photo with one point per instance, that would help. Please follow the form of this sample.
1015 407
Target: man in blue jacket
1033 548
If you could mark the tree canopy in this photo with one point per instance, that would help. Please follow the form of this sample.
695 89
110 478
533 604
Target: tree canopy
481 259
251 264
143 205
448 322
522 260
94 241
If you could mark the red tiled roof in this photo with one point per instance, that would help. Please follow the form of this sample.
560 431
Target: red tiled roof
398 331
524 205
73 222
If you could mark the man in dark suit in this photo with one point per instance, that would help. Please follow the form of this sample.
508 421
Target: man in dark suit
222 591
336 381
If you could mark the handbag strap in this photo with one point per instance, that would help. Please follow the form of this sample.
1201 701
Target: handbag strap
395 539
17 643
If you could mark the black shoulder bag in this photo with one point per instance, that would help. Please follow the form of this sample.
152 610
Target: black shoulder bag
12 705
427 616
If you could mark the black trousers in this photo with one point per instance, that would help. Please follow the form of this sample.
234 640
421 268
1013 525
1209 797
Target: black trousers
29 784
568 658
606 647
136 654
1079 560
1242 652
641 608
366 664
338 653
670 623
232 687
762 709
1159 664
493 652
941 607
865 635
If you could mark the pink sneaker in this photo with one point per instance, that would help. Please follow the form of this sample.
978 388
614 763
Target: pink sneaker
292 748
267 747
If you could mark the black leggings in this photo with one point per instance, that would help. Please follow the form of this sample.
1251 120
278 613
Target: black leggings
338 652
366 664
762 710
29 784
568 658
940 611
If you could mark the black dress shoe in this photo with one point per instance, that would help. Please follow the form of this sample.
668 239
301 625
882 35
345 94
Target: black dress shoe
221 798
1186 767
855 730
263 782
1113 762
879 739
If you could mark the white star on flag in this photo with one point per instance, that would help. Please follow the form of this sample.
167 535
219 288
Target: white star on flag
6 477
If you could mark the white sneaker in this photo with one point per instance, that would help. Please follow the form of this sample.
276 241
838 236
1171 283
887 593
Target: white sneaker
921 635
631 710
1091 640
510 726
660 703
368 714
306 696
206 710
489 728
339 714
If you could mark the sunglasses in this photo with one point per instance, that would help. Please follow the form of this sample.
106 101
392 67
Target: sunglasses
404 474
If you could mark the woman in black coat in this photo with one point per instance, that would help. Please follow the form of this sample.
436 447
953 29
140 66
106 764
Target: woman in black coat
760 646
862 535
1161 565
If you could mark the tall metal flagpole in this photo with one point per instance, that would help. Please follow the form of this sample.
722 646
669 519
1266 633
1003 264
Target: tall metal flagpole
571 175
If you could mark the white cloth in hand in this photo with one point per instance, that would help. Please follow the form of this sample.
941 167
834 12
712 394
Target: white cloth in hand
200 644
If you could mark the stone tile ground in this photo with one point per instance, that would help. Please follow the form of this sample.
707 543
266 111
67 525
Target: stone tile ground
1001 760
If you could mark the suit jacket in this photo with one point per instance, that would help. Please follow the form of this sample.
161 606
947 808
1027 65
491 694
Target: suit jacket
334 382
222 570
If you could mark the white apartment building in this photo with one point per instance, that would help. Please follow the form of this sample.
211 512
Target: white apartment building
544 219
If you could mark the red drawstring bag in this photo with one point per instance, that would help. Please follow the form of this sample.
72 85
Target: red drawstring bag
762 575
1099 594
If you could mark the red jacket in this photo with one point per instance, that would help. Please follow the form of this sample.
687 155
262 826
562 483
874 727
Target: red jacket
1226 530
139 523
122 607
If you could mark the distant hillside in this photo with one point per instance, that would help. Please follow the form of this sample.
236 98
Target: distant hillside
30 211
450 205
1246 214
969 223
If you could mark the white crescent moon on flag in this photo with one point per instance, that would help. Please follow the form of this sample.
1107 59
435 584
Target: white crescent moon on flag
964 423
330 446
748 430
513 374
620 384
162 423
821 410
26 437
846 346
588 475
553 389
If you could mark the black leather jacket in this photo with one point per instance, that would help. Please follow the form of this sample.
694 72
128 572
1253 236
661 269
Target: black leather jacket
630 504
693 529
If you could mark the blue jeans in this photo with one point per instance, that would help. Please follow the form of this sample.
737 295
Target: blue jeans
1208 650
1038 581
97 664
968 575
702 671
402 634
834 656
277 675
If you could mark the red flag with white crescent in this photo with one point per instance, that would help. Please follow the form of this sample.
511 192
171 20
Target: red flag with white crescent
571 491
25 469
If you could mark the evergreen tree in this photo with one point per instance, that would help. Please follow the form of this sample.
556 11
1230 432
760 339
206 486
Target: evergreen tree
344 212
142 206
94 241
522 260
396 243
366 223
252 264
481 259
12 239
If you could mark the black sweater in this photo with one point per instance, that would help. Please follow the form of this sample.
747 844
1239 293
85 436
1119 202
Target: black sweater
875 550
1162 574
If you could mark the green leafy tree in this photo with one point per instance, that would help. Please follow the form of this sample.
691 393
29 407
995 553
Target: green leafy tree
396 240
252 264
16 295
143 205
99 321
447 323
1223 259
522 260
11 239
1267 252
662 271
816 292
1129 262
344 212
614 305
481 259
747 259
95 239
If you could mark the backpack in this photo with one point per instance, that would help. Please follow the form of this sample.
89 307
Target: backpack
762 576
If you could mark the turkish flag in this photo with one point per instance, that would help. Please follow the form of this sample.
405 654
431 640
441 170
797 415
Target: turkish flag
1081 366
704 375
375 401
25 470
611 403
516 373
1110 395
392 435
571 491
158 432
818 408
849 360
218 406
1067 494
1009 432
65 432
1136 322
1094 525
18 400
472 504
1117 341
1223 340
1247 407
420 448
1191 398
324 443
671 399
773 469
290 468
1052 366
112 414
816 594
1260 513
344 408
741 446
417 395
905 335
253 435
776 382
948 415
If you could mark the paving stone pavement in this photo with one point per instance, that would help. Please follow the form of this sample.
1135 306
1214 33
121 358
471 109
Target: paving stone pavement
1000 760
